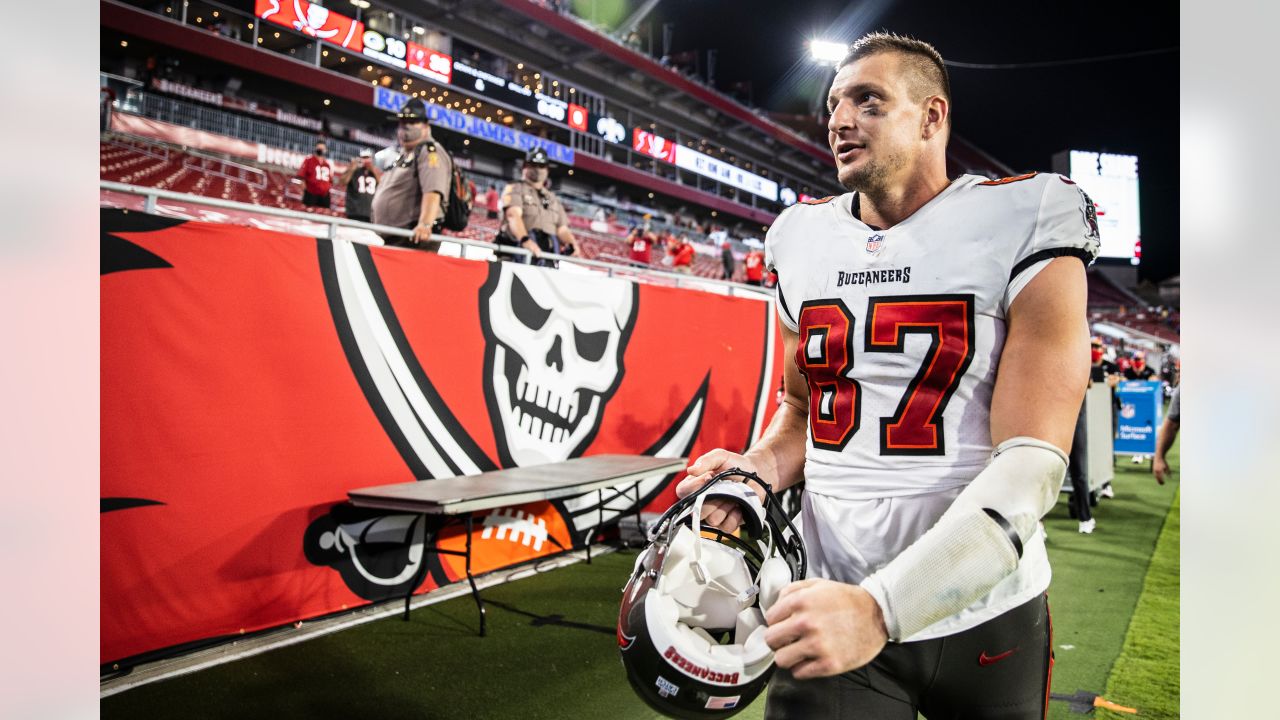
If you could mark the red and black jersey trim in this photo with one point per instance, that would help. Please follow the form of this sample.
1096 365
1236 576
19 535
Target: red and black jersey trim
782 300
1085 257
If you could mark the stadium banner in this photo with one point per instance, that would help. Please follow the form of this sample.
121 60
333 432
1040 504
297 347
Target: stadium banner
525 99
658 147
1141 402
250 378
313 21
466 124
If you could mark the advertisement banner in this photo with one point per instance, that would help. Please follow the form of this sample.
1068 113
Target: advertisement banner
655 146
727 173
430 63
476 127
313 21
1141 403
251 378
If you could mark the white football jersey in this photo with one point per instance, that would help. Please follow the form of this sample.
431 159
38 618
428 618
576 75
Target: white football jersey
900 335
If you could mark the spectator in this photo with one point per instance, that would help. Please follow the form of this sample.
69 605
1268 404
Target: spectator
754 264
491 202
316 174
1138 369
533 217
1165 436
641 244
682 258
726 259
414 191
361 182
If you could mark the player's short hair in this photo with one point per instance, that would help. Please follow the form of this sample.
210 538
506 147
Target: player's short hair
924 60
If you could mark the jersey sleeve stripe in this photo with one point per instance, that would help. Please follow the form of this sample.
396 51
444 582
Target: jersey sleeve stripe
782 300
1048 253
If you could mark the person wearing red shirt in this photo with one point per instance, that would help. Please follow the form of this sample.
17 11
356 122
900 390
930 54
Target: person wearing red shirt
641 246
317 177
754 264
491 202
683 260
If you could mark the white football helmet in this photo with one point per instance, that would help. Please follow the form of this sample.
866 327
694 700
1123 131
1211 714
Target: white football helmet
691 626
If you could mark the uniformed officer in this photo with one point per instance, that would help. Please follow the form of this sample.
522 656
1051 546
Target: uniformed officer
532 216
414 191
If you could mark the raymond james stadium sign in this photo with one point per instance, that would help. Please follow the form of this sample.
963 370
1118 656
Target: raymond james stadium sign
475 127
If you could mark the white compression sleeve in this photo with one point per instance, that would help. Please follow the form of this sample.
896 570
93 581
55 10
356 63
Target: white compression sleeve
975 544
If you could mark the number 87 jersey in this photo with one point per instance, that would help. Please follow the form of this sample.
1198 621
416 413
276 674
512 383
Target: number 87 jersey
901 330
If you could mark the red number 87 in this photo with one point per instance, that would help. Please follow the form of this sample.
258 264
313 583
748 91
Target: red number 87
825 355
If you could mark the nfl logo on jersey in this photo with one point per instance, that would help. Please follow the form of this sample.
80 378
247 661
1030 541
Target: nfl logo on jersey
874 243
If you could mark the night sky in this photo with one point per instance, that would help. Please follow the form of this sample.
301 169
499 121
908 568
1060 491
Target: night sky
1021 116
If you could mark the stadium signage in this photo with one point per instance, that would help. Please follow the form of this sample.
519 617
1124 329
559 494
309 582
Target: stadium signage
313 21
517 96
475 127
658 147
390 50
430 64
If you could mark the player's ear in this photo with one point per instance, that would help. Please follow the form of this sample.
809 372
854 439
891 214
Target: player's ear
936 112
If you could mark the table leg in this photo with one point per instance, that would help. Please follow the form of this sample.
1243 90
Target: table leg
421 574
475 593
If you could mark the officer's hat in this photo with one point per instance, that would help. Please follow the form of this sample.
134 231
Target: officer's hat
537 156
413 111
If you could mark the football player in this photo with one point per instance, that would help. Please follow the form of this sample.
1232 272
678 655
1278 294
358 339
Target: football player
936 359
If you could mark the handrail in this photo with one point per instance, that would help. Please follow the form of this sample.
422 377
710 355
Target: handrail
151 195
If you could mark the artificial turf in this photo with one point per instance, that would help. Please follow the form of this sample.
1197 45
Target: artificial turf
551 651
1097 580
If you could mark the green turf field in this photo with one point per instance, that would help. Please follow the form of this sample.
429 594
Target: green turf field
552 653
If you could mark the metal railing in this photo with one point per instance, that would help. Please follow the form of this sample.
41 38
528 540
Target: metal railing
151 196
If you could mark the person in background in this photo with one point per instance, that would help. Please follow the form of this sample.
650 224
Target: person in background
316 174
1138 369
491 202
533 217
641 244
1165 436
361 182
726 259
754 264
682 258
414 191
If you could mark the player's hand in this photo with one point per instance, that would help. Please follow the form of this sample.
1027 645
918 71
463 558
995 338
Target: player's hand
1160 469
421 233
820 628
722 514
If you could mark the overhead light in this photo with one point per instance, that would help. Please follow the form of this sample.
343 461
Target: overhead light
570 171
825 51
326 101
419 30
277 35
519 66
713 213
325 53
215 13
362 4
124 43
466 142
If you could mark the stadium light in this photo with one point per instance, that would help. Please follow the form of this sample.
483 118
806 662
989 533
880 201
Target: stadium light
362 4
824 51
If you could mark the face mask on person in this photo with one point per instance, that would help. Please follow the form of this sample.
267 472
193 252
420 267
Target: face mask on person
1095 355
319 152
409 133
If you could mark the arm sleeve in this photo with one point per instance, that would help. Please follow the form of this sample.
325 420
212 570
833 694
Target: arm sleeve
774 255
434 177
1066 225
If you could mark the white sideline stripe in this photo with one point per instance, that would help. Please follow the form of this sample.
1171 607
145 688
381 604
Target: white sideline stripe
377 367
391 353
311 629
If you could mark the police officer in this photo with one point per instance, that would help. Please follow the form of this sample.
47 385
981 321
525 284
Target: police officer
532 216
361 183
414 191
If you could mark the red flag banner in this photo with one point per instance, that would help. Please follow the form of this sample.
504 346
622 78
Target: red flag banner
251 378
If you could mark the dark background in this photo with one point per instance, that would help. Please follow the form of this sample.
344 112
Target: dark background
1020 116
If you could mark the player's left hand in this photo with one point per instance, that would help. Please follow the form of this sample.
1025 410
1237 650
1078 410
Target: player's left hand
820 627
421 233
